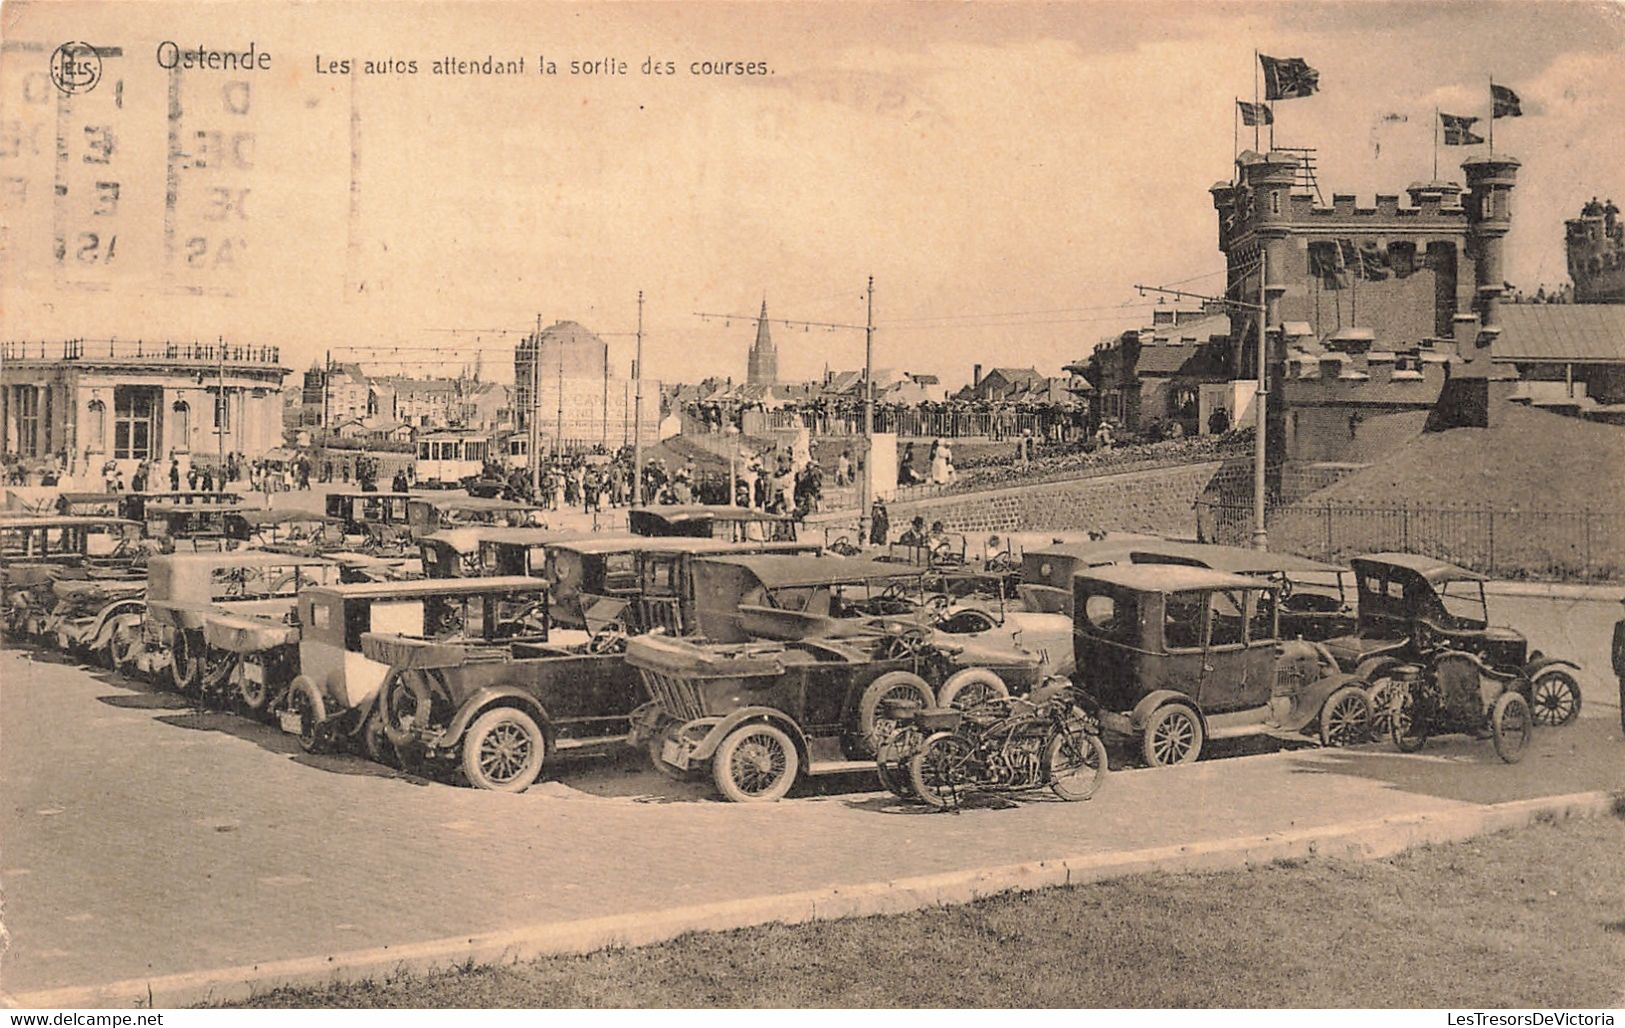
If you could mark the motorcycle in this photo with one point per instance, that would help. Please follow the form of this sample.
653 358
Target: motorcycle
1048 739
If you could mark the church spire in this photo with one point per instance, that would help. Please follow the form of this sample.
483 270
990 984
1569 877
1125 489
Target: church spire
763 365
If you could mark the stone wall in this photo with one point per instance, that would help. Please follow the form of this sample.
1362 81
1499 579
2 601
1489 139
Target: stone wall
1159 501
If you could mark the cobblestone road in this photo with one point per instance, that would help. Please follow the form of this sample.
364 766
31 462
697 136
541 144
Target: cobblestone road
142 838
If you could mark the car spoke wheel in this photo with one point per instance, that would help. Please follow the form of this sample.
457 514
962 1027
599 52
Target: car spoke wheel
1173 736
971 687
1555 698
1345 720
1075 764
1382 696
308 707
123 647
940 772
1512 725
874 725
757 763
503 750
186 663
255 695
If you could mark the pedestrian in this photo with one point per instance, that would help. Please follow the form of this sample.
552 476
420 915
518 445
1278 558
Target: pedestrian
879 523
1619 664
174 475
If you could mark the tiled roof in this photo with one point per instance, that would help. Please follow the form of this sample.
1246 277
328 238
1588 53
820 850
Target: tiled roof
1562 332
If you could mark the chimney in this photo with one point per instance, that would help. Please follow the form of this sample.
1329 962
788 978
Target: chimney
975 375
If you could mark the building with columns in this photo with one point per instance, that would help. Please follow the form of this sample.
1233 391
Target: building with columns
1369 312
87 402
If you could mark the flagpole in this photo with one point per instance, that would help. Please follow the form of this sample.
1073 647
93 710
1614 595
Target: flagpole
1435 144
1255 99
1235 134
1492 115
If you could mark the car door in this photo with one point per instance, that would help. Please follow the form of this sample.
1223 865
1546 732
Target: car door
1228 678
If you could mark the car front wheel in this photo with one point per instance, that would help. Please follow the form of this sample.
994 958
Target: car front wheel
1555 698
503 750
1346 718
756 763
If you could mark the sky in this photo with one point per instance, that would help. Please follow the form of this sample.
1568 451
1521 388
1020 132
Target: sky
1006 173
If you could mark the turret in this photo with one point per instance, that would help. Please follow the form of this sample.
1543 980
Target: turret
1465 400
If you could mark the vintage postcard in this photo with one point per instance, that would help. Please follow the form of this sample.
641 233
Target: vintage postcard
789 504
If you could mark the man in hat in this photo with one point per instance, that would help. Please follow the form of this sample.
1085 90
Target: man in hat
1619 664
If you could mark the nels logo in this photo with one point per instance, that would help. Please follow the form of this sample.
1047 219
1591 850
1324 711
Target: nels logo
76 68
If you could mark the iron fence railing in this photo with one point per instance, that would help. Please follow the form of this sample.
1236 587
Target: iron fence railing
140 349
1581 545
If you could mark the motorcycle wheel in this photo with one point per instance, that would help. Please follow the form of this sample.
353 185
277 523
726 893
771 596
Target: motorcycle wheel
1075 765
1407 725
938 773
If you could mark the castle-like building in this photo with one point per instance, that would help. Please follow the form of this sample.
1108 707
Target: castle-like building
1596 250
1368 311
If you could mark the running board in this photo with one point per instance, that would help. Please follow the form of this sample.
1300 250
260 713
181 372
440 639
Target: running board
839 767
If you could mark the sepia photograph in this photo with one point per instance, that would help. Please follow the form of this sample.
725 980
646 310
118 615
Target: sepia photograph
705 505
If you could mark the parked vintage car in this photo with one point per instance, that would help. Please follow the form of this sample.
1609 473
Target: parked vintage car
96 505
254 528
1047 570
136 505
595 580
37 550
763 715
333 696
428 514
666 598
379 519
1179 655
1459 693
189 527
478 550
498 708
183 589
707 521
1412 607
790 598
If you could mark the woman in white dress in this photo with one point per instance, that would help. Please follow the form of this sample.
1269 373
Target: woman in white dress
941 464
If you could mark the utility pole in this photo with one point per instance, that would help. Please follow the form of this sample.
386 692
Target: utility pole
220 413
1260 390
637 414
533 443
868 328
864 499
1261 404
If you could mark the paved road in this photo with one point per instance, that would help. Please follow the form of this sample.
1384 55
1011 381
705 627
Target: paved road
142 838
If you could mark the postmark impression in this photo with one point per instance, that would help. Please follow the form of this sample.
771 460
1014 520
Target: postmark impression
76 68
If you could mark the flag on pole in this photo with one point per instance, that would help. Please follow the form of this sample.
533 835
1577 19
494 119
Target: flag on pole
1458 130
1507 103
1287 78
1255 114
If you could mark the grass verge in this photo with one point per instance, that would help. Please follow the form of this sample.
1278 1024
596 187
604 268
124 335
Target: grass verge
1530 918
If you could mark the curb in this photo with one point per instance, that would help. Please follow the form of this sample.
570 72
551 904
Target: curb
1609 592
1367 840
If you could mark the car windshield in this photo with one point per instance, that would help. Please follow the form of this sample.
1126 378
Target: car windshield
1463 600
